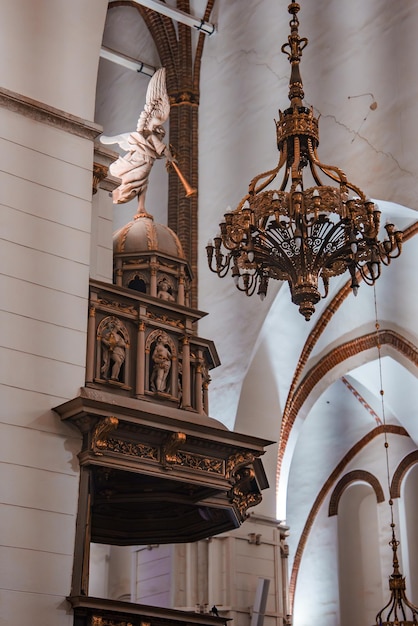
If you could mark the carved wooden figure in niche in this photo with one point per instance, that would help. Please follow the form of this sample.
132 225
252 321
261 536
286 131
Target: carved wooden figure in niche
161 358
113 350
164 291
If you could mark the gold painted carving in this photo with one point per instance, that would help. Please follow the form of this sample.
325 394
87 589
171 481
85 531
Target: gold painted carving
241 494
244 501
237 461
104 621
202 463
165 320
99 173
100 433
170 447
120 306
140 450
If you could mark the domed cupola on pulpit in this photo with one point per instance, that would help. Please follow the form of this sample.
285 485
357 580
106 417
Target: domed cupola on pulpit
149 258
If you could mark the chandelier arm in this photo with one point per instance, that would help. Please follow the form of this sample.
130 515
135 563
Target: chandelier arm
339 175
285 179
223 271
249 287
315 174
409 604
369 279
386 257
340 178
242 202
328 171
379 615
271 174
333 172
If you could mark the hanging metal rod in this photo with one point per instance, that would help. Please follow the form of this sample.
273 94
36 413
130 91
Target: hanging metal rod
128 62
180 16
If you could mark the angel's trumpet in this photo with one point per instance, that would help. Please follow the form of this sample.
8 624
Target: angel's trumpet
190 191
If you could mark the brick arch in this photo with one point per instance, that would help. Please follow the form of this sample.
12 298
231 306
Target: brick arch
399 474
354 476
362 443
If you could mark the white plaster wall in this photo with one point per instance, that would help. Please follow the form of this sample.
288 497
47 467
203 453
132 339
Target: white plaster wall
246 564
45 245
154 575
223 571
358 556
50 51
259 413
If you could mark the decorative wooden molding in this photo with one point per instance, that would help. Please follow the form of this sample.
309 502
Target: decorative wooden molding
103 157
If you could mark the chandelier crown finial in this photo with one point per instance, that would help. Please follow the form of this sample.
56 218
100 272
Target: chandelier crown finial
293 49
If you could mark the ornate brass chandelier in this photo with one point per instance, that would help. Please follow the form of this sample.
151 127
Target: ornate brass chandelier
301 235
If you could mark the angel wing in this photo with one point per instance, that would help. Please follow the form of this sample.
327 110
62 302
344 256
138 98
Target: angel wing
157 103
157 106
122 140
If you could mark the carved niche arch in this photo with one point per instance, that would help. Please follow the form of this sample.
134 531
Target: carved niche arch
112 351
138 281
161 364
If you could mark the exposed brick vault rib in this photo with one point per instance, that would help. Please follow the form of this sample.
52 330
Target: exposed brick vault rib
357 475
183 85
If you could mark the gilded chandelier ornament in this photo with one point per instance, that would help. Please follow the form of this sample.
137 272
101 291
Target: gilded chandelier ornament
301 234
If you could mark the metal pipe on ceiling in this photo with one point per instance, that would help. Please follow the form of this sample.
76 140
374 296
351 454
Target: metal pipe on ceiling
180 16
125 61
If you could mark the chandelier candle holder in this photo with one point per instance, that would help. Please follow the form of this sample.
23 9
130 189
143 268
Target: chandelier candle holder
297 234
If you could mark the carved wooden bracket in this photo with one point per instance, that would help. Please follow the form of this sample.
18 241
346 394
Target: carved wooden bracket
101 432
170 447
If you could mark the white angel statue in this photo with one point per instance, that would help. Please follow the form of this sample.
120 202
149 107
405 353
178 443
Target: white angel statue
143 146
